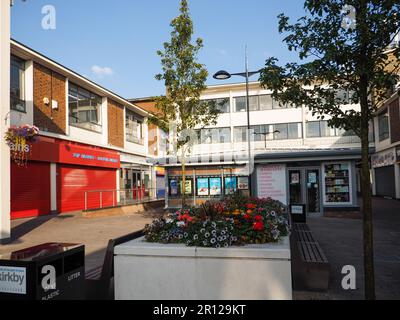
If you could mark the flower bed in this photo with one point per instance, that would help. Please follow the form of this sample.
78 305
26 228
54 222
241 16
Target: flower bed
233 222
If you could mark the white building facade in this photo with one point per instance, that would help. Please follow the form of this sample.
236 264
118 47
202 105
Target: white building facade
298 159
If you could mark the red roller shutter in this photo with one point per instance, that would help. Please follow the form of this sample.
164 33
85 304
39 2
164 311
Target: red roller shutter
73 181
30 190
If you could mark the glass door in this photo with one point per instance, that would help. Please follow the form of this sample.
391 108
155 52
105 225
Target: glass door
295 187
313 191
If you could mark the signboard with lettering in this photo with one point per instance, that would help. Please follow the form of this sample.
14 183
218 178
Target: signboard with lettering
12 280
384 159
271 182
62 151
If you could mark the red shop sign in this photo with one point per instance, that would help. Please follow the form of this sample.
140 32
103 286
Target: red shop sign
68 152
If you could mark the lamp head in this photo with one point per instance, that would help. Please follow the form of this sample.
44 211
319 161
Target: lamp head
222 75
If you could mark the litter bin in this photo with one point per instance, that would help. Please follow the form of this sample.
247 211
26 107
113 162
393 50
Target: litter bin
51 271
298 212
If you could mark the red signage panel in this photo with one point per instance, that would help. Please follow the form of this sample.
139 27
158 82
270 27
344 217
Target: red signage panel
68 152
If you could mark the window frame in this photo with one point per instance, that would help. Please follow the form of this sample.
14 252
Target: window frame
20 65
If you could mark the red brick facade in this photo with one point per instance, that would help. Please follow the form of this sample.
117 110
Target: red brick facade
394 112
50 85
116 124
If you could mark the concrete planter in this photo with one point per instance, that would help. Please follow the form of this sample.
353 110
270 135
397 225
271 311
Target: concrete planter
148 271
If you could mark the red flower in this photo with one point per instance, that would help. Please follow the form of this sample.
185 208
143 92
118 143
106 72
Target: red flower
258 226
247 216
258 218
250 206
185 217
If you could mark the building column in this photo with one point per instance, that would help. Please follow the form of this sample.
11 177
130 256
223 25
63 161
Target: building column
5 225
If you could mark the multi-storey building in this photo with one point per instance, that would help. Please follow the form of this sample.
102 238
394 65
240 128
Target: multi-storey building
386 161
92 141
298 159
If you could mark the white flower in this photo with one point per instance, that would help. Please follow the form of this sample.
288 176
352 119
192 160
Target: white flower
214 225
226 245
180 237
186 235
169 221
202 231
217 246
195 237
207 235
180 224
213 241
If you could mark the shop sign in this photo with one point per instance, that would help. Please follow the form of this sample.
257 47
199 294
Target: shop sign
271 182
12 280
62 151
384 159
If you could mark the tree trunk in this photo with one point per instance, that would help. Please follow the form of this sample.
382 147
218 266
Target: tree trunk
366 191
183 161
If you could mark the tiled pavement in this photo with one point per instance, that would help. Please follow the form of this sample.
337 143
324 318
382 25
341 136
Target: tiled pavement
341 240
73 228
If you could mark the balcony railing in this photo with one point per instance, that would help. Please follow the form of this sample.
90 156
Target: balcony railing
101 199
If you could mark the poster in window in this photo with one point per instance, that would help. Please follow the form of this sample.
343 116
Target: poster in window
243 183
312 177
202 187
215 187
230 185
188 187
173 185
295 178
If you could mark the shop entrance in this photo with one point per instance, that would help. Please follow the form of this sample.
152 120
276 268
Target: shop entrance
305 188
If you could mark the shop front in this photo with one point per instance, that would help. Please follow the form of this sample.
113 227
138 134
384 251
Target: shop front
317 184
204 183
136 179
63 176
384 166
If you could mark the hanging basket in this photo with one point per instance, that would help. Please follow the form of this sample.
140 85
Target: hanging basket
20 140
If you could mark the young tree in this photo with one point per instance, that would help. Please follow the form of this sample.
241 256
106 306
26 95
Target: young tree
181 111
342 44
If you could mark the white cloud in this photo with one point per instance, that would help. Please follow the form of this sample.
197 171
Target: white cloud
102 71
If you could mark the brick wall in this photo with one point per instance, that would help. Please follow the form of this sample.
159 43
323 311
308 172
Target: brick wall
51 85
394 113
116 124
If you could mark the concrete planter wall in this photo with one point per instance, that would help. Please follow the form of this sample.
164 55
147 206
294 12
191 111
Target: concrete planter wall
176 272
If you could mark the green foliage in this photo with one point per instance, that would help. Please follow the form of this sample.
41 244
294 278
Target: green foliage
184 78
214 225
355 59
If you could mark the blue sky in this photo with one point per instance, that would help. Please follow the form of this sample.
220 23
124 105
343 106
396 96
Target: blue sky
114 42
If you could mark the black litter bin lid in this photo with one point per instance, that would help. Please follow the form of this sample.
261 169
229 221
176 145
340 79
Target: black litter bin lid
39 252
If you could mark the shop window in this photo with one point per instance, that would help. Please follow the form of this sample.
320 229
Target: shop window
203 187
337 183
230 185
84 108
215 186
383 124
17 84
134 128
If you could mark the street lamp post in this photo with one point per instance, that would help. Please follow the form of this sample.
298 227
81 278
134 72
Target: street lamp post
224 75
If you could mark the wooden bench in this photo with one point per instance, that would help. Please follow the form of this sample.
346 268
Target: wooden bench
100 280
310 267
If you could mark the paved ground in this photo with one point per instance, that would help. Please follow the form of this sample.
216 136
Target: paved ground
341 240
73 228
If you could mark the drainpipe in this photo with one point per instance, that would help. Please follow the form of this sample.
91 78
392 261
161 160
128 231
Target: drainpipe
5 225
